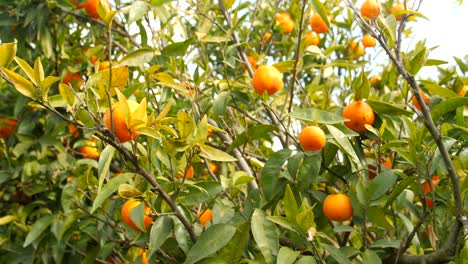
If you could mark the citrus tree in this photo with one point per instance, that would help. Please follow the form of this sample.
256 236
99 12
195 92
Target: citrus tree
228 132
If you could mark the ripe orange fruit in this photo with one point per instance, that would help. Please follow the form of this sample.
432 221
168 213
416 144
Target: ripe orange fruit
368 41
267 79
429 203
284 22
7 127
375 81
252 62
397 8
89 150
337 207
356 49
122 131
73 130
463 90
142 253
373 170
311 38
426 100
213 167
73 79
312 138
91 7
188 176
104 65
127 209
434 181
205 216
370 9
267 36
317 24
359 114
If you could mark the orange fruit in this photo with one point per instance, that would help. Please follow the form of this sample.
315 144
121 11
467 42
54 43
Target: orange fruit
359 114
429 203
397 8
370 9
311 38
7 127
368 41
463 90
317 24
337 207
267 79
188 176
356 49
425 99
373 170
91 7
312 138
73 79
252 62
73 130
210 132
375 81
284 22
213 167
89 150
144 258
267 36
122 131
205 217
104 65
126 211
427 188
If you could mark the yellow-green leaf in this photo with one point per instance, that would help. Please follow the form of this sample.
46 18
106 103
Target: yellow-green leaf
215 154
7 53
67 94
7 219
27 69
21 84
38 71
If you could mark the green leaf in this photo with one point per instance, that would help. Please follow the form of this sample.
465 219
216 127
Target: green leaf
343 228
265 235
7 219
271 172
200 192
137 215
446 106
105 159
318 7
399 188
343 143
109 188
361 86
67 94
284 66
212 240
21 84
235 248
306 260
138 57
252 133
433 62
38 228
370 257
215 154
7 53
336 254
306 219
290 204
137 10
287 256
384 243
389 25
285 223
388 109
316 115
160 231
308 171
177 48
381 184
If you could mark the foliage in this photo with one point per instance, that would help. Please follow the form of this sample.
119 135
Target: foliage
208 141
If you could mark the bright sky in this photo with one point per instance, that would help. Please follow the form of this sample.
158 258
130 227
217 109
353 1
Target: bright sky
447 28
